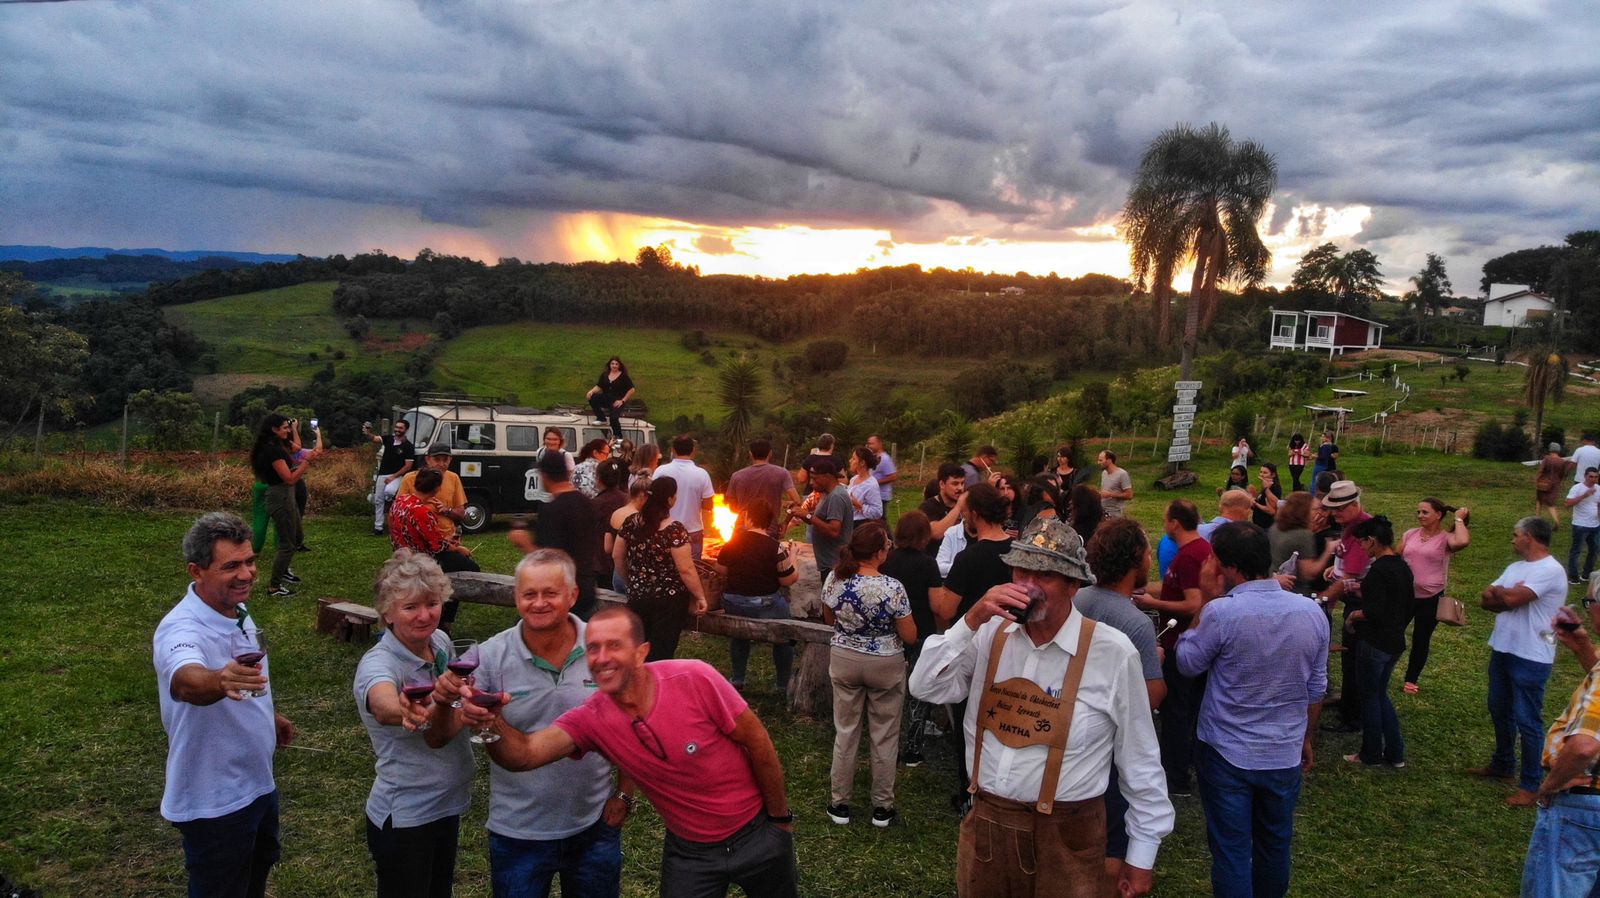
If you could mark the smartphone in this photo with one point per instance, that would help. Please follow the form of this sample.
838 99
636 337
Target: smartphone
313 423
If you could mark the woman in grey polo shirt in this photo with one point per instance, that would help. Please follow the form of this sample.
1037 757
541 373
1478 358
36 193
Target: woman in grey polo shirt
415 807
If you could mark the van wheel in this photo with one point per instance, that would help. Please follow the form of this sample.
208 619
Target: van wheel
476 519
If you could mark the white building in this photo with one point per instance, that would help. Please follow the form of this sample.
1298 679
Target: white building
1513 305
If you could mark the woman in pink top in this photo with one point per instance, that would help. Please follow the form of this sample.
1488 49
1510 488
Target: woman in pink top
1427 549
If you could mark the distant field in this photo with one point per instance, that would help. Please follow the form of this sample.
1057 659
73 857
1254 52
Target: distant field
274 332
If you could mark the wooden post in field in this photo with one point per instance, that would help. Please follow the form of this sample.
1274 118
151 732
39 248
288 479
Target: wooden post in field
38 431
923 465
785 449
1155 444
216 430
124 437
1275 423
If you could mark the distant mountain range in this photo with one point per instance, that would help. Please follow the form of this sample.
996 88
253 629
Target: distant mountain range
47 253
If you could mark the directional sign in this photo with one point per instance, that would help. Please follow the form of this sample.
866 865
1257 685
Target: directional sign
1178 455
1187 395
1182 408
1187 385
1181 439
1180 420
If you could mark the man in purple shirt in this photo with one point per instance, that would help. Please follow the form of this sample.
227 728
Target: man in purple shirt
761 480
1264 648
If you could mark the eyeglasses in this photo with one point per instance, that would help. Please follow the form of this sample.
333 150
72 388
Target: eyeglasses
648 739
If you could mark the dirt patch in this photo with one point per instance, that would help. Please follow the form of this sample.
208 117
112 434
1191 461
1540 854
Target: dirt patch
217 389
407 342
1391 355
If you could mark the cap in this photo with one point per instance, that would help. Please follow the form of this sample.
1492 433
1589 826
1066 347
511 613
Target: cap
439 449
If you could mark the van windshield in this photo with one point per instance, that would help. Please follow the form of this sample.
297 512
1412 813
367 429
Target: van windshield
422 425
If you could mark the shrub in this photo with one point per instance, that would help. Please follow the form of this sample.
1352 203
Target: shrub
693 340
1499 442
826 355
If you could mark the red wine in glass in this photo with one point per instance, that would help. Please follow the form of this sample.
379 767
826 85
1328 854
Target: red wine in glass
418 689
486 695
250 659
463 661
250 649
419 693
486 700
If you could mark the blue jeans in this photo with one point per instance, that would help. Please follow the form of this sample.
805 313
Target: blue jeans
229 856
1516 706
1249 824
773 607
1380 726
589 863
1583 536
1564 852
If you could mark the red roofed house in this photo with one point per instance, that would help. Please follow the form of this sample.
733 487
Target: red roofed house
1314 331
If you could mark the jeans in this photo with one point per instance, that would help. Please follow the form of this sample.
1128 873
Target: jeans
601 403
229 856
1516 705
1426 621
415 861
619 584
1380 726
1249 824
1564 852
1583 536
773 607
759 858
1179 712
589 864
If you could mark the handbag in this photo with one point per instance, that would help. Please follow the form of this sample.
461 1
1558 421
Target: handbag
1451 612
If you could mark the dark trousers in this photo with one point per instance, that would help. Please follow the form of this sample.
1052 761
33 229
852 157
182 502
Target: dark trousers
1426 620
589 864
1249 824
1179 712
1350 677
1116 817
286 522
449 562
759 858
1294 473
1380 726
1581 537
229 856
601 403
663 622
588 603
415 861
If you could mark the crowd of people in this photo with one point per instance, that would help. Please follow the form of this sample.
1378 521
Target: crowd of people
1016 611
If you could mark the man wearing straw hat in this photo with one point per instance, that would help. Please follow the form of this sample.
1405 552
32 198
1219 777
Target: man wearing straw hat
1032 670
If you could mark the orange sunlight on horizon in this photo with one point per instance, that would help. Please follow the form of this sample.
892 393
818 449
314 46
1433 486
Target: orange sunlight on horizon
779 251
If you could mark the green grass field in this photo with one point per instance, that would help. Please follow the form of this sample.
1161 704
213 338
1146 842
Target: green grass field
81 780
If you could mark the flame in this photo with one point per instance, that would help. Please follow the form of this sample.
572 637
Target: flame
722 517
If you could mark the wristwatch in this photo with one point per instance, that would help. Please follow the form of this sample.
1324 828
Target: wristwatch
626 799
786 818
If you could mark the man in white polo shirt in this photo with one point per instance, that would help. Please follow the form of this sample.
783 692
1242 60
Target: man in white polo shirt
694 491
218 714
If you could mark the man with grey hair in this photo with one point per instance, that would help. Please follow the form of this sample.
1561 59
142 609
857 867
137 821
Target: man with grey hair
1233 505
218 713
1524 600
1032 669
561 820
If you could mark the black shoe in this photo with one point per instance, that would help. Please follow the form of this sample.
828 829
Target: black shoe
290 577
839 813
379 531
302 548
280 592
882 817
911 758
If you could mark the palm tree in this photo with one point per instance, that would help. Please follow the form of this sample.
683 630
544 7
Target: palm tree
1432 286
739 388
1546 378
1197 196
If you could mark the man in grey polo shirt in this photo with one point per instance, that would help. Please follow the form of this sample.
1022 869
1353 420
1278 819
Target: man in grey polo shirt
565 818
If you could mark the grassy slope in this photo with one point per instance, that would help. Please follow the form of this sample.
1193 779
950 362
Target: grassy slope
87 773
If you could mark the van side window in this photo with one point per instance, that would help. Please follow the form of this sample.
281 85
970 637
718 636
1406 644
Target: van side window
522 439
473 436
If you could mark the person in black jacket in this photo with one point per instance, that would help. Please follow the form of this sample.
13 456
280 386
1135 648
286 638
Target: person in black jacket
611 391
1386 606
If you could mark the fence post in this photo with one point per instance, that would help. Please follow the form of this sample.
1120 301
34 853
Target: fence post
216 430
124 438
38 430
1155 444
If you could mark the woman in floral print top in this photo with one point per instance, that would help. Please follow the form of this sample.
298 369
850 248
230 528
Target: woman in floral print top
871 618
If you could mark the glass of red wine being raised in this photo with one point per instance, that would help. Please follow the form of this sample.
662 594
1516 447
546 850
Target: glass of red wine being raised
250 649
463 661
486 695
418 690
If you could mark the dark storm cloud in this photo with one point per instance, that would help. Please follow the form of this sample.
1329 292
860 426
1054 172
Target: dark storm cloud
1477 125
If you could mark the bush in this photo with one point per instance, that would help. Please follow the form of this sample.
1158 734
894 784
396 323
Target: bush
1552 434
826 355
693 340
1500 442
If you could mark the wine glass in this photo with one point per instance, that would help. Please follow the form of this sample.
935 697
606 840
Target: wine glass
486 695
1566 619
250 649
418 689
463 661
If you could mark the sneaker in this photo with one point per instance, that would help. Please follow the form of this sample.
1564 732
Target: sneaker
911 758
379 531
882 817
280 592
932 729
291 577
839 813
1522 798
1398 765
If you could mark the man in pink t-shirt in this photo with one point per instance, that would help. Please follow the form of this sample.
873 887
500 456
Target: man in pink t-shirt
696 750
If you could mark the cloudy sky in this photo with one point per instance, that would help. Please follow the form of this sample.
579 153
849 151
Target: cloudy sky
775 138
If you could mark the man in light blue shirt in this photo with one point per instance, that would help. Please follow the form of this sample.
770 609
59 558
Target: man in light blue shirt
1265 649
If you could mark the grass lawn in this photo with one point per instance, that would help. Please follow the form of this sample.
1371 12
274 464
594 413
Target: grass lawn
81 782
274 332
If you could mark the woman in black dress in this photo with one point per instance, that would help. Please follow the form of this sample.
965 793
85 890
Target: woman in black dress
611 391
653 555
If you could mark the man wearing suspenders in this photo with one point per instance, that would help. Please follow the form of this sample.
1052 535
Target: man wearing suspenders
1051 698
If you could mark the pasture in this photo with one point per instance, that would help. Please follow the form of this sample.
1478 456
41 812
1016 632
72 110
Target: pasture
81 780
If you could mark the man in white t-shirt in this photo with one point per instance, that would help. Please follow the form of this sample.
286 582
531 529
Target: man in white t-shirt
221 726
1584 500
1523 600
1585 457
694 491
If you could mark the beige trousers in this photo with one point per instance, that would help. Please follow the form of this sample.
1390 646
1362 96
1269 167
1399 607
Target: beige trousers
875 684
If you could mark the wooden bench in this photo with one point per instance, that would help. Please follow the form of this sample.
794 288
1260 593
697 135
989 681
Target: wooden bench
345 621
810 691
